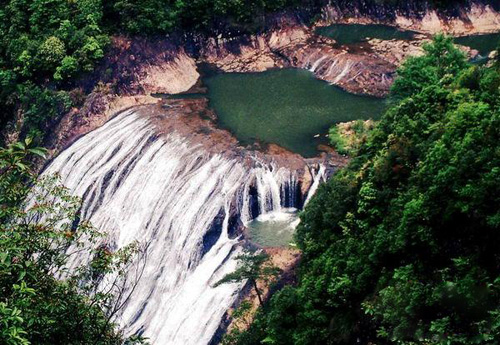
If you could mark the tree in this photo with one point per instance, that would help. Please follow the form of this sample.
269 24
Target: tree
440 64
147 17
252 267
51 53
43 44
42 301
14 171
400 247
348 137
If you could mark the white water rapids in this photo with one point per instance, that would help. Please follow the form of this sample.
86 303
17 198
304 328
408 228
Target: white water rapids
182 201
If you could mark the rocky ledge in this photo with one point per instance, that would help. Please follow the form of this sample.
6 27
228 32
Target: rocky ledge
298 47
192 119
162 67
462 18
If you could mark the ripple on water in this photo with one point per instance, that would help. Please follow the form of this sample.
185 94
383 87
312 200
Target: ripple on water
274 229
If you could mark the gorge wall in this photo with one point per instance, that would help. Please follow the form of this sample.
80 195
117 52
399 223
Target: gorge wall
166 176
135 68
457 17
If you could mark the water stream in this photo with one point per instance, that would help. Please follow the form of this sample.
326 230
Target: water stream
346 34
482 43
185 204
274 229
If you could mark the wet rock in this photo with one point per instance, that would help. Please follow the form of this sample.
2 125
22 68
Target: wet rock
299 47
306 181
470 17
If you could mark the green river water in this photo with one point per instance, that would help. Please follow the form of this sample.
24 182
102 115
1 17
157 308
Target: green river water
289 107
346 34
275 229
483 43
292 108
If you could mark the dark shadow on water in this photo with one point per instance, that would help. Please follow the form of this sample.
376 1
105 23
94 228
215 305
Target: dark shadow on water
347 34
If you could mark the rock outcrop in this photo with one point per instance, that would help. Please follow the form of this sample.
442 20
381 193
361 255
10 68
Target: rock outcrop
135 68
192 119
299 47
465 18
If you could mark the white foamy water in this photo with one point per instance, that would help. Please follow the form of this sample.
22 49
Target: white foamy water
182 202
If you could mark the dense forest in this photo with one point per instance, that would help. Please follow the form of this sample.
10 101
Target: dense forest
401 247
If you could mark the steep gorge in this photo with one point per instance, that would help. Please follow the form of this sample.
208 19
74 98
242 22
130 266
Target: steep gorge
167 177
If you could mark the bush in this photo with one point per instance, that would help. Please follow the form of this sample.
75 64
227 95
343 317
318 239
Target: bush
40 233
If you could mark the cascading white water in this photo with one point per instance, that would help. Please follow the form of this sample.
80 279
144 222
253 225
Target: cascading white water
318 177
332 68
170 193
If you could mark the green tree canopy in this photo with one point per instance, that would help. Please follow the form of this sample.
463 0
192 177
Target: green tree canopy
401 247
252 267
41 300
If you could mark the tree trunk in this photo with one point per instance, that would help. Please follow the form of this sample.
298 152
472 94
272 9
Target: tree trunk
254 282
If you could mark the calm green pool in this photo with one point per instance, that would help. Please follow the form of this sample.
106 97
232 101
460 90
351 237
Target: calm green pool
483 43
346 34
288 107
274 229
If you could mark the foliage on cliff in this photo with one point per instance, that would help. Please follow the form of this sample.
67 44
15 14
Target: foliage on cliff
401 247
348 137
253 267
43 45
40 232
162 16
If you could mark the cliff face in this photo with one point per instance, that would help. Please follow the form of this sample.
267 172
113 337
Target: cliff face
389 10
143 66
298 47
461 17
135 68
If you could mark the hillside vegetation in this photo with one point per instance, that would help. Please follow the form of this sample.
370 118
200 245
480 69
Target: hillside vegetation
40 233
401 247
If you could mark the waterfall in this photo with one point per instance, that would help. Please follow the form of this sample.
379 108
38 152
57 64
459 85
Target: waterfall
183 202
329 65
318 176
317 63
